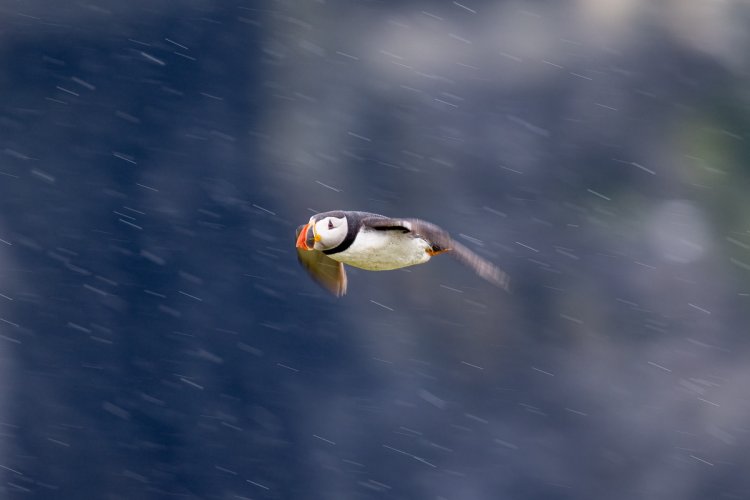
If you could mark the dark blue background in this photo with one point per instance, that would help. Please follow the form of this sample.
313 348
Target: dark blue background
158 339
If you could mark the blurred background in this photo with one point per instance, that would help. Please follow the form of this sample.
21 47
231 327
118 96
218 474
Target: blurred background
158 340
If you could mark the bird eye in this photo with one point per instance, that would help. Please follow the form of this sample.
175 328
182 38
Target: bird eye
330 224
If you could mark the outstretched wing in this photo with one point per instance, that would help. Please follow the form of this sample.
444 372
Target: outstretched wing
481 266
441 241
328 273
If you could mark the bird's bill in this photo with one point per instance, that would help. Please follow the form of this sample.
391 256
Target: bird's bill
302 236
306 236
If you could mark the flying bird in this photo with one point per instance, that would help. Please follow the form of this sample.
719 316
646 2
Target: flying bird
378 243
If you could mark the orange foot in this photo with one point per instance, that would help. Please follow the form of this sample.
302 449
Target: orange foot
433 253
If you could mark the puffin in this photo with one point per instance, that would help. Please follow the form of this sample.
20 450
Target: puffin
378 243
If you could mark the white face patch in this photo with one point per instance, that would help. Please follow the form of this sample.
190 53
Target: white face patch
331 231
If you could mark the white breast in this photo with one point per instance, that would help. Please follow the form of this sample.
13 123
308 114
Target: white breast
384 250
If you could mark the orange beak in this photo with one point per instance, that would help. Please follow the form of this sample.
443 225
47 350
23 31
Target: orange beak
301 236
306 237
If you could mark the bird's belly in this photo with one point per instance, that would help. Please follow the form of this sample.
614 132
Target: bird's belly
384 250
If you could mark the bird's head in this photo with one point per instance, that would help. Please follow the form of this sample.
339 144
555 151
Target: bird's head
322 232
